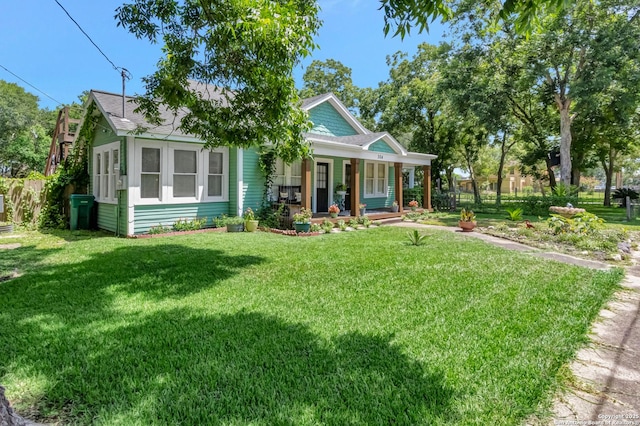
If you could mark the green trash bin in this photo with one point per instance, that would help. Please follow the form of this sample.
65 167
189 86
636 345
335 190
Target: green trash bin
81 205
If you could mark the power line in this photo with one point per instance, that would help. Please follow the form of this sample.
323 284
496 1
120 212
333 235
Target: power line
119 69
26 82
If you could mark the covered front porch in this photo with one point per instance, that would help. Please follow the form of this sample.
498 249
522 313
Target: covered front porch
348 184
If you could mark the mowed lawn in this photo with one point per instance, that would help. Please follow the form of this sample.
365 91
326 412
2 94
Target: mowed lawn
356 328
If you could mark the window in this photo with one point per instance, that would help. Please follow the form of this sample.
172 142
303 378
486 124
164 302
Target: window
215 175
106 171
177 173
150 176
96 179
286 175
185 171
375 179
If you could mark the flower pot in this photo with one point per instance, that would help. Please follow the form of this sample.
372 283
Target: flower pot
394 209
251 225
235 227
466 226
302 226
363 211
333 215
341 193
413 209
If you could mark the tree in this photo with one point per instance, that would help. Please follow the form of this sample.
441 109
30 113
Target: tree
24 131
246 49
403 15
330 76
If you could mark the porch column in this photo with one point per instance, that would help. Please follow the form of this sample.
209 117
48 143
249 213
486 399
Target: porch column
306 184
412 177
355 186
397 168
426 187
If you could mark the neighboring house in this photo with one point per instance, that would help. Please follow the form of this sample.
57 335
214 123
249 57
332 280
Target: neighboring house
157 176
513 183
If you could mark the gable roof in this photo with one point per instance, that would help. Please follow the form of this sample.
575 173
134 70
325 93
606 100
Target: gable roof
357 146
310 103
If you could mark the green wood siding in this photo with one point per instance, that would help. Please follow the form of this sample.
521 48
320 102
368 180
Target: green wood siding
107 214
252 179
168 214
233 182
327 121
381 146
124 211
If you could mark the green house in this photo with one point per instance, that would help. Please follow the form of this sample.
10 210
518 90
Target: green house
158 175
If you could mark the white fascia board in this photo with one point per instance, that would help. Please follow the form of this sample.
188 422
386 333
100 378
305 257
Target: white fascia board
154 136
346 151
395 145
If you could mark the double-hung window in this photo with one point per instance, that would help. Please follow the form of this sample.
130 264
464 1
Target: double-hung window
177 173
150 173
185 173
286 175
106 171
215 174
375 179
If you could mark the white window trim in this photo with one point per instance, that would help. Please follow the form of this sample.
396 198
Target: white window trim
172 147
106 150
375 180
166 173
225 175
286 177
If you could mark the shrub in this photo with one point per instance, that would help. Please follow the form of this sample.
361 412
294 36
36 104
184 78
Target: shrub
415 238
327 225
189 225
515 214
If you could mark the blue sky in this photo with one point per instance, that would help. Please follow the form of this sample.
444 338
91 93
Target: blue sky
40 44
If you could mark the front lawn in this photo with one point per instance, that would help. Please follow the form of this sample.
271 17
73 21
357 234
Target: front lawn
352 328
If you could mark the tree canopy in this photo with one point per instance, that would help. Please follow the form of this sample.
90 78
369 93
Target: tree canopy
246 49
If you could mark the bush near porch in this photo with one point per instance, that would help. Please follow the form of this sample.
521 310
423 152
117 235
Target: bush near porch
353 328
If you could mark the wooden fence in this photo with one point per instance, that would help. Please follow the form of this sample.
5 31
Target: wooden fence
23 200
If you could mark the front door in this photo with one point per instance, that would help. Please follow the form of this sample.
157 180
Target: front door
322 187
347 181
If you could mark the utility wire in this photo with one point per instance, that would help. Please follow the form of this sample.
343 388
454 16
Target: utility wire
124 71
26 82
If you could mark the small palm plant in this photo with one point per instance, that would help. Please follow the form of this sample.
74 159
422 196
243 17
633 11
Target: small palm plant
416 238
515 214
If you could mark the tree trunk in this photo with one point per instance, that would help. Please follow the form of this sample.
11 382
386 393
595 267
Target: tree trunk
551 173
608 171
474 184
499 181
565 141
607 187
575 177
449 173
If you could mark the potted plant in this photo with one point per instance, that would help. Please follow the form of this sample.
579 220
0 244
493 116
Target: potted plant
250 222
394 207
341 189
414 205
302 220
363 209
234 224
467 220
334 210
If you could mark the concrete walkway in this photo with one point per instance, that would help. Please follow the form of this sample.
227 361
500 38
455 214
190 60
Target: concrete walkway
606 385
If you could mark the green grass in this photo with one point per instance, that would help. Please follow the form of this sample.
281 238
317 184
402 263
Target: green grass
353 328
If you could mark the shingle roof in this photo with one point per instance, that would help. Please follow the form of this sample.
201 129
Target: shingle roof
111 105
